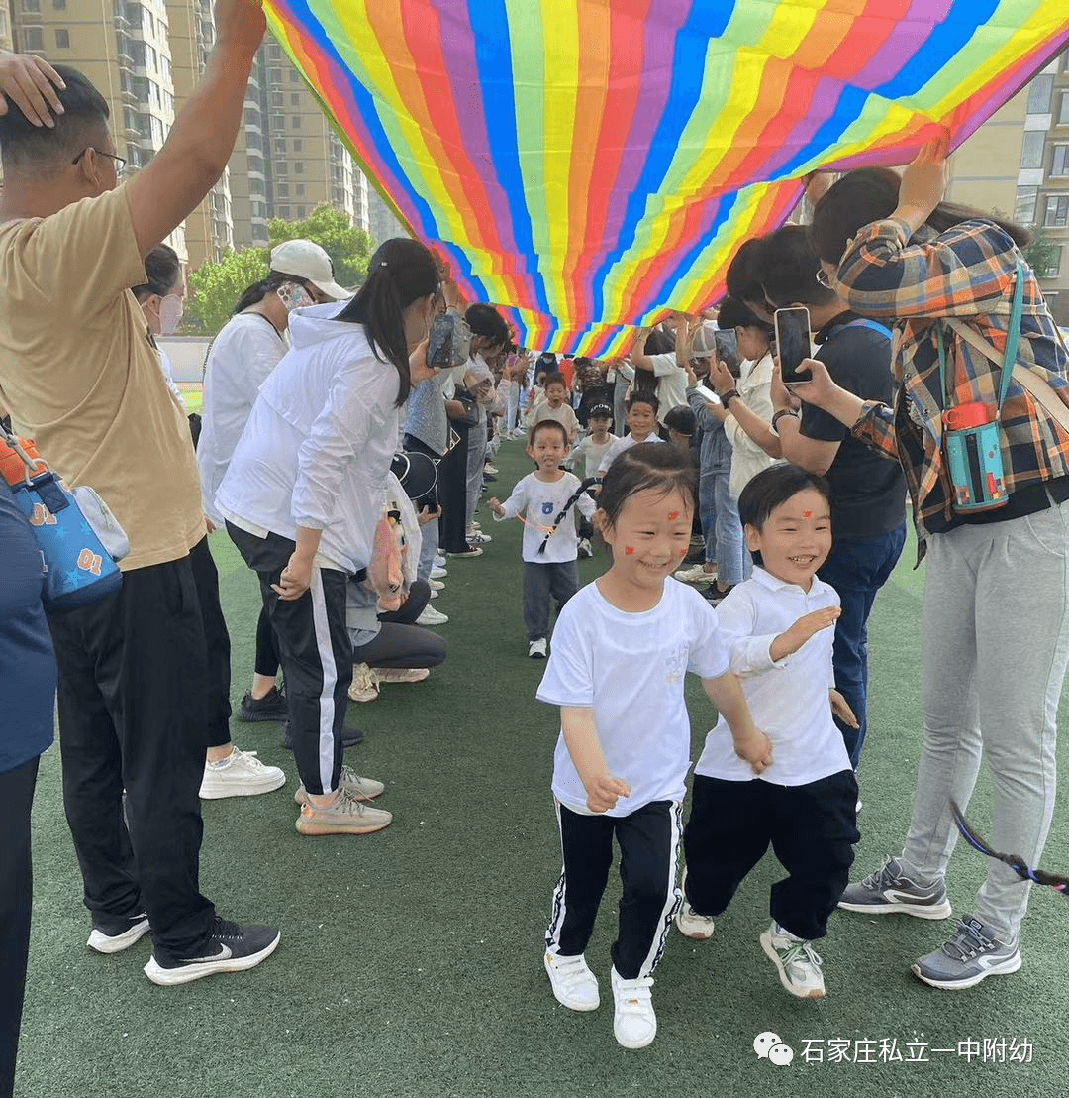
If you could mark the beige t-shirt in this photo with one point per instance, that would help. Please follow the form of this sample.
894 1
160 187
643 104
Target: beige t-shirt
78 374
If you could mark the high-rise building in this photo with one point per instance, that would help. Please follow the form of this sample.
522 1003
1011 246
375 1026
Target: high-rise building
383 222
1017 164
6 42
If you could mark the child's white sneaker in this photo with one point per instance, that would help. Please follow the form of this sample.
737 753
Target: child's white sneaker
634 1023
537 649
688 922
796 960
574 985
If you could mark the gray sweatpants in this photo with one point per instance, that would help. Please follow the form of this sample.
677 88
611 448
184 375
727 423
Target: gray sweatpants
542 582
995 636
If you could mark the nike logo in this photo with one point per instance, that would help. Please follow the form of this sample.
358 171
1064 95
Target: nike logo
224 953
904 897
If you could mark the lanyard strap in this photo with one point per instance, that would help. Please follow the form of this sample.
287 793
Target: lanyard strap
1009 358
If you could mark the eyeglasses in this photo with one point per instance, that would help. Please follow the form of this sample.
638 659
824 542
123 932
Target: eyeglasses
823 279
120 163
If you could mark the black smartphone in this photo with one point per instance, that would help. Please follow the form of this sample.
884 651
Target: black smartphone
727 351
794 343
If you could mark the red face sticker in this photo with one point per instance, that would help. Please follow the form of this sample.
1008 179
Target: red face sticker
673 515
682 552
629 550
807 514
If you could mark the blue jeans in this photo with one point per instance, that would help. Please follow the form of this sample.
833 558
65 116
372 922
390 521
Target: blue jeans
720 524
857 569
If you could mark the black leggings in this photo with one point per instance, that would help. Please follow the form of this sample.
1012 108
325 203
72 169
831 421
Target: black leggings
266 663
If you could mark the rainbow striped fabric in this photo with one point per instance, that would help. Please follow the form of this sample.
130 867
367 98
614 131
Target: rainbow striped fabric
588 162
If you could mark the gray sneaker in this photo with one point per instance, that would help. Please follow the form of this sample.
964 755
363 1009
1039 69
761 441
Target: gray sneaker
971 955
889 890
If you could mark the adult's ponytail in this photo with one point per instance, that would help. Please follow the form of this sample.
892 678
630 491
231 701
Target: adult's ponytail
400 272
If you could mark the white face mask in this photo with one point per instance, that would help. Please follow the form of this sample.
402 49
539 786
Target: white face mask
294 296
170 313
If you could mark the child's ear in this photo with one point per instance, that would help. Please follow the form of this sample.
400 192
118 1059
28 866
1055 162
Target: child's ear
753 537
529 451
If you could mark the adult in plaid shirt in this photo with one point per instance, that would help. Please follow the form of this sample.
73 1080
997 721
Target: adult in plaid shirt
996 616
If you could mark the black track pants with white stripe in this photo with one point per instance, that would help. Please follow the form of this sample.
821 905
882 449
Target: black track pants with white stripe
649 851
315 653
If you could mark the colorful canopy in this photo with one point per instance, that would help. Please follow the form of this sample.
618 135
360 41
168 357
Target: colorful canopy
588 162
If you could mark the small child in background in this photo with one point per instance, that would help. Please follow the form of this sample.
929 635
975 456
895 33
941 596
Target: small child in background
621 652
777 626
642 427
680 424
556 407
593 445
550 569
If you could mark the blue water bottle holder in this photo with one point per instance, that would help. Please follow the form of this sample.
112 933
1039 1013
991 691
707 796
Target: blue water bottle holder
80 539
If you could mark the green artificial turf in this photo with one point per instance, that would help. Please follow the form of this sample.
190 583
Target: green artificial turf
410 961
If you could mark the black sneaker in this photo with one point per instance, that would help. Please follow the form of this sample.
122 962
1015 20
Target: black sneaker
114 937
271 707
350 737
231 948
715 595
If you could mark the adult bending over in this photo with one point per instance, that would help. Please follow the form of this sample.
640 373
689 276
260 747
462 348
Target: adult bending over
995 628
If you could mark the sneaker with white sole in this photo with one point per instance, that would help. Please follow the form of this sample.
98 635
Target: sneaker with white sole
537 649
468 551
688 922
439 561
430 616
971 955
478 539
345 815
365 684
231 948
240 774
402 674
633 1023
889 891
584 548
114 936
798 963
438 573
363 789
574 985
697 574
435 585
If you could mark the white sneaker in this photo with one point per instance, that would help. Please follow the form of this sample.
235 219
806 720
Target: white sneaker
360 789
435 585
537 649
438 572
434 595
402 674
365 685
430 616
797 962
478 539
240 774
583 548
634 1022
689 923
574 985
697 574
439 561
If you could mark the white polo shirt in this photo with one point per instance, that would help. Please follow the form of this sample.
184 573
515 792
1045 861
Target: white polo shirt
618 447
789 698
629 669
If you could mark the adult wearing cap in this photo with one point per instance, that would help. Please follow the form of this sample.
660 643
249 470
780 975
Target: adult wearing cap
242 355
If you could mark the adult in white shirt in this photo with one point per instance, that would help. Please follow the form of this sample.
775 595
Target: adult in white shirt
305 491
249 347
665 366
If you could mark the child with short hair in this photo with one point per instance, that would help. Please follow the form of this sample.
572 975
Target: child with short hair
550 569
555 406
778 629
642 427
621 652
593 446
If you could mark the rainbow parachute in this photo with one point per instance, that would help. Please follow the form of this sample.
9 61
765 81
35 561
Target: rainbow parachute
587 162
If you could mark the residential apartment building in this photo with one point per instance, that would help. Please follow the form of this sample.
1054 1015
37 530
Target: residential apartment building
6 42
1017 164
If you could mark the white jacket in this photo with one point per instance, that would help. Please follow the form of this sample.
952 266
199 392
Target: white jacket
241 357
319 441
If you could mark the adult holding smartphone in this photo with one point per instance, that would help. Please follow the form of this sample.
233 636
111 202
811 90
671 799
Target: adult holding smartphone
995 628
86 383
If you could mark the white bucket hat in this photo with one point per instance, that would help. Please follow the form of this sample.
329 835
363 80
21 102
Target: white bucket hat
307 260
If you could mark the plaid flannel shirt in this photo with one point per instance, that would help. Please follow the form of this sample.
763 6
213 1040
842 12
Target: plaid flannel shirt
967 272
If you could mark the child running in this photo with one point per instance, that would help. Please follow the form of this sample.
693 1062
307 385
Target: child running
550 569
641 424
621 651
595 443
777 625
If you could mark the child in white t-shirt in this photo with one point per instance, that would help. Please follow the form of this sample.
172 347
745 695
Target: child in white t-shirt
593 446
621 651
777 625
550 571
642 427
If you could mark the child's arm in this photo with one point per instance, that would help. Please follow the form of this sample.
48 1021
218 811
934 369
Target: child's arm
586 506
807 626
751 744
512 506
584 747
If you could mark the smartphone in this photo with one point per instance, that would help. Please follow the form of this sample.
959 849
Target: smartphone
710 395
727 351
794 343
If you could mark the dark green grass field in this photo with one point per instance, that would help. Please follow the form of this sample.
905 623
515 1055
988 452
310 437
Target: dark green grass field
410 960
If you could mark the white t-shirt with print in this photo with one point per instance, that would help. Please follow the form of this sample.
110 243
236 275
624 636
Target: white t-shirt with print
542 502
629 668
789 698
